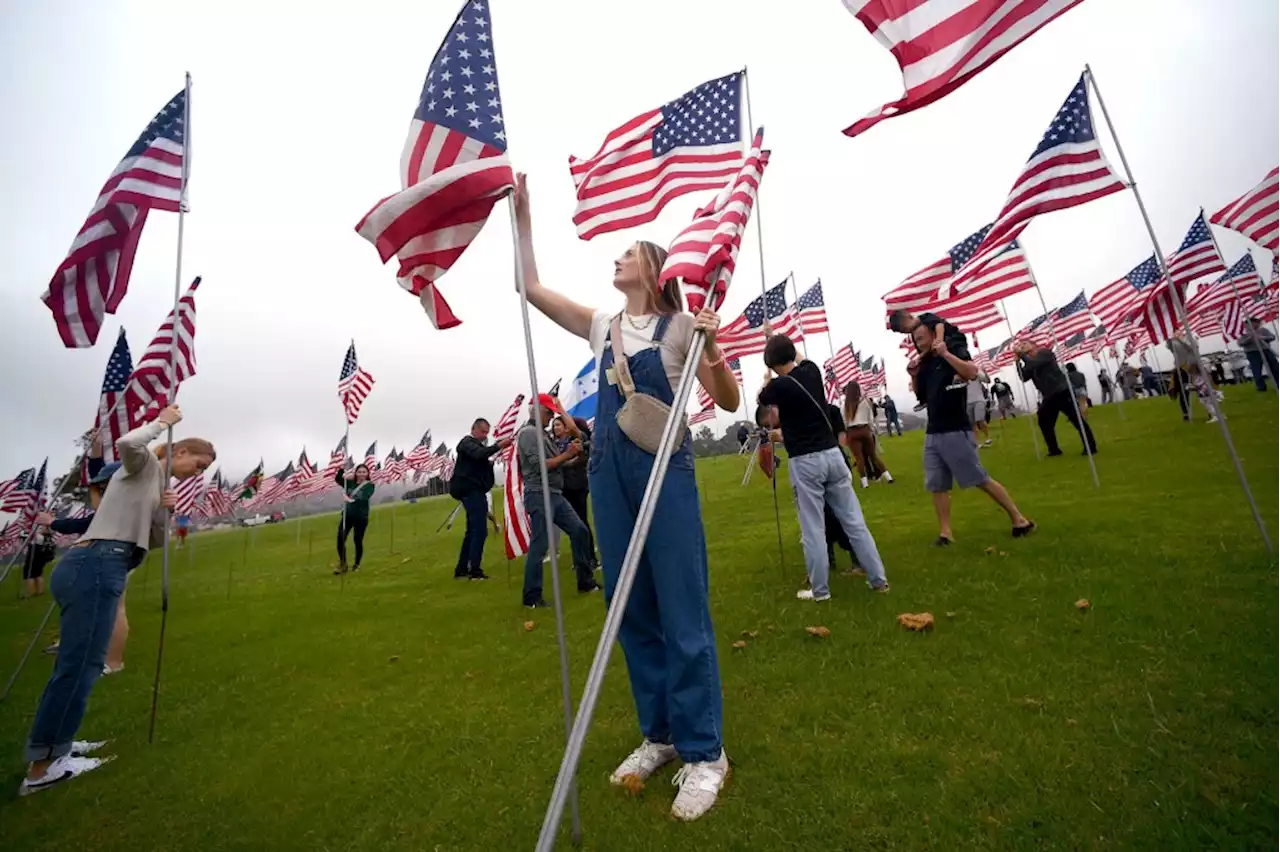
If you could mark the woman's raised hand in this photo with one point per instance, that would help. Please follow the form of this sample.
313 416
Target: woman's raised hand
170 416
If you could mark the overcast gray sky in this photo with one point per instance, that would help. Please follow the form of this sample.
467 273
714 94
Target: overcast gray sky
299 114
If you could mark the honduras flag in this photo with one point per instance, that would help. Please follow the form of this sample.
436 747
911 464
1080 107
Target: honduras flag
579 399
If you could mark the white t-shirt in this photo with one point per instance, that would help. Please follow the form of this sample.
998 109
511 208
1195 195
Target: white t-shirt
974 390
862 415
635 340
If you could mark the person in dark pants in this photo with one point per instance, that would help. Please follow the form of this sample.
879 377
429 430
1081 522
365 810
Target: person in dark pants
1256 343
576 489
891 421
1038 365
562 514
355 514
472 480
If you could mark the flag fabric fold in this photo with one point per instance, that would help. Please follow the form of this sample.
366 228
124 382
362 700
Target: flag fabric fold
942 44
354 384
149 385
702 256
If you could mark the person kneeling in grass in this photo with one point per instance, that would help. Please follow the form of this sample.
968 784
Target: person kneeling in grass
950 448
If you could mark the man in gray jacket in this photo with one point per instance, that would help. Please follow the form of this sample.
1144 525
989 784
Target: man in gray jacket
562 514
1256 343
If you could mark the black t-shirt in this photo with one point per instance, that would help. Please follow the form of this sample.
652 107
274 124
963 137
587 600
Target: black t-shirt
944 393
957 343
802 416
1001 390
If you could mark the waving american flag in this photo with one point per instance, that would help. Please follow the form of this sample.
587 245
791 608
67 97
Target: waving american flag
1067 168
453 168
113 419
691 144
745 335
1256 214
354 384
150 386
1120 299
942 44
94 277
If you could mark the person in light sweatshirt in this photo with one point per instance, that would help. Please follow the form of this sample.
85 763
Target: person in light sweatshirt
87 584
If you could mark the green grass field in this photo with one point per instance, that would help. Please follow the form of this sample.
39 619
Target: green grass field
404 710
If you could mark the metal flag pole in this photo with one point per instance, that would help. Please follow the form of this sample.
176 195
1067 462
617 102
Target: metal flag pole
1182 316
1053 331
795 301
553 534
1022 386
777 516
1236 291
173 395
622 592
746 137
44 622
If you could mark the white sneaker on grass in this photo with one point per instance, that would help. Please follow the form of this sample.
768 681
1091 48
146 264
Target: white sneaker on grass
641 763
886 477
865 484
808 595
63 769
700 785
80 748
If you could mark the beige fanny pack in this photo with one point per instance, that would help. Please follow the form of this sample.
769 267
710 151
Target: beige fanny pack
642 417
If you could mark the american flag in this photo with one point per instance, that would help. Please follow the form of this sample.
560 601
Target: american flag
1067 168
273 488
1072 318
516 532
1196 258
113 419
371 456
690 144
218 496
843 367
941 44
189 491
1120 299
8 485
873 379
418 456
303 474
1097 340
704 398
972 309
812 311
1036 331
703 415
745 335
1234 320
446 469
12 537
25 490
94 277
1071 348
708 246
354 384
1254 214
148 386
453 168
506 425
1240 282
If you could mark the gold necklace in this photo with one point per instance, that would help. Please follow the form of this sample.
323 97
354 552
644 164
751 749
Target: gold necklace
648 321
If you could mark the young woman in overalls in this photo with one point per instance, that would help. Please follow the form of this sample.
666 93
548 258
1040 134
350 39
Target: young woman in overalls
666 632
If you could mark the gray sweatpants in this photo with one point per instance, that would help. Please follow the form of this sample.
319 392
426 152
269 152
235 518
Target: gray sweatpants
824 477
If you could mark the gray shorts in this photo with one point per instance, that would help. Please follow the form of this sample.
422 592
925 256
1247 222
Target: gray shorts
978 412
952 456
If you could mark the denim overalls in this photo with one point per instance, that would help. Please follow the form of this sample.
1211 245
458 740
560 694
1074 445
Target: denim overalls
666 632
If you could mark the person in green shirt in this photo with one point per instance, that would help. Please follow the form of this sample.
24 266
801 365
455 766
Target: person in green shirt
357 489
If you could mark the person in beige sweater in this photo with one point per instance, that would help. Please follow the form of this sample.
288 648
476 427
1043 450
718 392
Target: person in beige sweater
87 584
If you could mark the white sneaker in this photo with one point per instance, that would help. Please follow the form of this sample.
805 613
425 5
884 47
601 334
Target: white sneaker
886 477
1211 419
63 769
699 785
865 484
80 748
107 670
641 763
808 595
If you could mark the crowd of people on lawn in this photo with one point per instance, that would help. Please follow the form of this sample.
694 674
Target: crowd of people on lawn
666 635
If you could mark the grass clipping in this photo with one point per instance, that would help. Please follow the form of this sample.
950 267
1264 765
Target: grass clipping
917 621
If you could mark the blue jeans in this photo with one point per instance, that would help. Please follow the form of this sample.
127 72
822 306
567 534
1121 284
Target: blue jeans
823 478
472 551
563 516
87 584
1260 374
